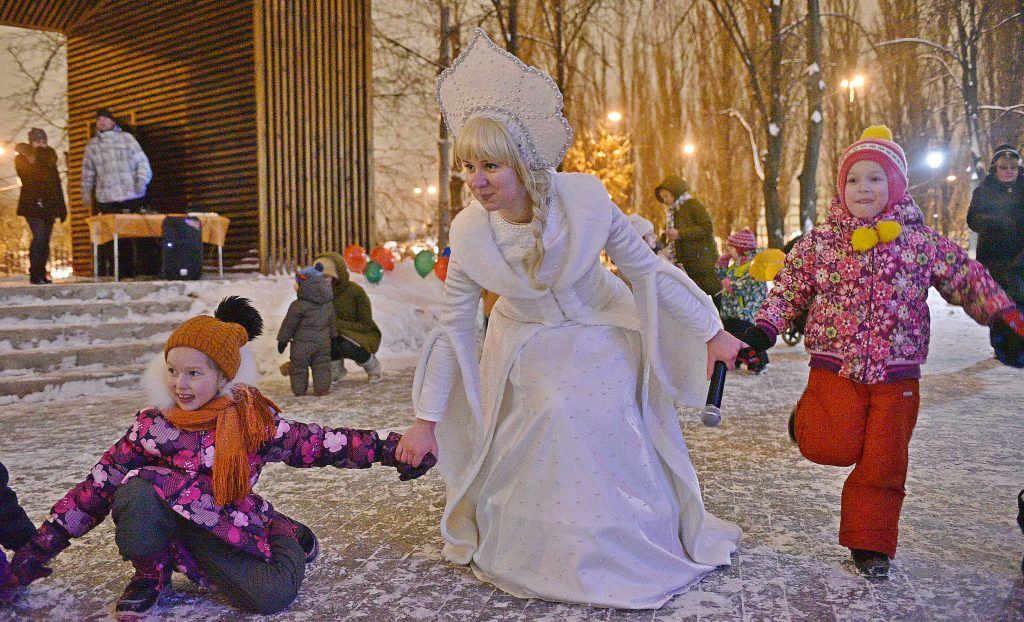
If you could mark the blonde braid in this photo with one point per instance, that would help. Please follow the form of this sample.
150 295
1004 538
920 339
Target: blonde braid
538 184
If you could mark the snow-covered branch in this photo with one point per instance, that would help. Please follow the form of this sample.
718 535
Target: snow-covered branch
755 157
1016 109
919 41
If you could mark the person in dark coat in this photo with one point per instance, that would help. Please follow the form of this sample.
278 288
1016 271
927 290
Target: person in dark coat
309 326
693 233
997 215
15 527
42 199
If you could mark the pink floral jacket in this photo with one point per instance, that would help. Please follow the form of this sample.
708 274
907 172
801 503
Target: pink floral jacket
867 312
179 464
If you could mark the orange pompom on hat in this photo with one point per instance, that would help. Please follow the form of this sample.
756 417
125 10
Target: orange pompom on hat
876 144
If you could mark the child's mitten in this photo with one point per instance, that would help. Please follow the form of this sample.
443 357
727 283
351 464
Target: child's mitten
1008 337
30 561
758 338
281 346
750 357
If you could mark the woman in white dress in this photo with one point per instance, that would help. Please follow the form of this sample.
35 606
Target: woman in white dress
567 475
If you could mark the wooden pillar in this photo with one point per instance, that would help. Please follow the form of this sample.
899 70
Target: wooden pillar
314 128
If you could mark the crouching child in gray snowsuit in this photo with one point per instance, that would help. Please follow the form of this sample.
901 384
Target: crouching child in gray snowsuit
309 326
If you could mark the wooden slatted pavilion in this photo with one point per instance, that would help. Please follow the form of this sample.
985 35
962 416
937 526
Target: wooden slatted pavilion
256 109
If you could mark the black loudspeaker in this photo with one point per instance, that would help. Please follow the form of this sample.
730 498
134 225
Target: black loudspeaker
182 248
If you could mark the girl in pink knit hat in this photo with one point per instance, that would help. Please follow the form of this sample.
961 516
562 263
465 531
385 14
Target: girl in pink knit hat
741 294
863 278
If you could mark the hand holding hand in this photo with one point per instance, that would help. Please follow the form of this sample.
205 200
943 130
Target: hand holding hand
418 442
406 471
30 561
723 347
29 564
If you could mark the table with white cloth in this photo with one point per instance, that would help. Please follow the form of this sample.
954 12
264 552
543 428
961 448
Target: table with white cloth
105 228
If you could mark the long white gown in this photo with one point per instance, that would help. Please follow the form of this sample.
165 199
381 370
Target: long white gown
568 499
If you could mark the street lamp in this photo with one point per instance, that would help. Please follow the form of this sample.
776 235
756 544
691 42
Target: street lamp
417 190
431 190
951 178
614 116
934 159
853 84
689 149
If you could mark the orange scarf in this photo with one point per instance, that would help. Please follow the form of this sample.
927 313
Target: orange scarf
241 424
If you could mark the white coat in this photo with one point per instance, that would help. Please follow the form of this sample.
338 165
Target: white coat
674 317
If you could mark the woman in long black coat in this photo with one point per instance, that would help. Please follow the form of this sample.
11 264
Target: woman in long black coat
42 198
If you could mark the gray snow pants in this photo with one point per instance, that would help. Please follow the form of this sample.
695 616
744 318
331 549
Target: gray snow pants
144 525
315 355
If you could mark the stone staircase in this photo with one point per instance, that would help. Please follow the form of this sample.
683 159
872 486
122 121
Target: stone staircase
60 341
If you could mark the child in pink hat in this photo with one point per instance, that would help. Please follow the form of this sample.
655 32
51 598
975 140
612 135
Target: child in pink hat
863 278
741 294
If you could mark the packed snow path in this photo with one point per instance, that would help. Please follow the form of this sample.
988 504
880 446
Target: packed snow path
959 555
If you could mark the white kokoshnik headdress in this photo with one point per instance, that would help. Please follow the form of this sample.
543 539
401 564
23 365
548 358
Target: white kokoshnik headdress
487 81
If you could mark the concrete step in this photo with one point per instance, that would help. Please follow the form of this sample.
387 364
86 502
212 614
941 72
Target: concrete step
37 387
75 335
78 312
16 295
67 359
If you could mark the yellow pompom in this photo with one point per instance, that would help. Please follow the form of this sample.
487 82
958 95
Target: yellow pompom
877 131
864 239
888 230
767 264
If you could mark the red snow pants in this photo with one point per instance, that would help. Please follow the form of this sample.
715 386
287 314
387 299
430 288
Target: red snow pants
841 423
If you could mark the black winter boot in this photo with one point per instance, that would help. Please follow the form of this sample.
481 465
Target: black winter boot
1020 519
152 579
307 540
792 426
871 564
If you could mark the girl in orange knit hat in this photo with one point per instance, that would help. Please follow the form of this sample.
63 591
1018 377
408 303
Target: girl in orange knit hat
179 483
863 278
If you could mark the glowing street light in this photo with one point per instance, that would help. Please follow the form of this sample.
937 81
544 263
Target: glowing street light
2 151
935 159
951 178
417 190
853 84
689 149
431 190
614 116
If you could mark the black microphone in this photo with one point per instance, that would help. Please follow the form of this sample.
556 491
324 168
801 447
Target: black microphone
712 414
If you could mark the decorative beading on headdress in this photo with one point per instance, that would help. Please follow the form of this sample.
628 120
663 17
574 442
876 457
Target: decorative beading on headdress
487 81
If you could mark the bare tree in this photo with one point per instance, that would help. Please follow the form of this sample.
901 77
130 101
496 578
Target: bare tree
815 90
767 83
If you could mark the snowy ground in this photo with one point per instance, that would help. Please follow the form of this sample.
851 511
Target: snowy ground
958 560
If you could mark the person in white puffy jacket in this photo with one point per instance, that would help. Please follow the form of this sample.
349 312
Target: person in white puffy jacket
114 168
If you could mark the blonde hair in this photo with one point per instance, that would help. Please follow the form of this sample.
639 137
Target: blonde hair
482 138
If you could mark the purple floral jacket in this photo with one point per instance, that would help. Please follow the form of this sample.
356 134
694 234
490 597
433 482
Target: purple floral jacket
868 312
179 464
